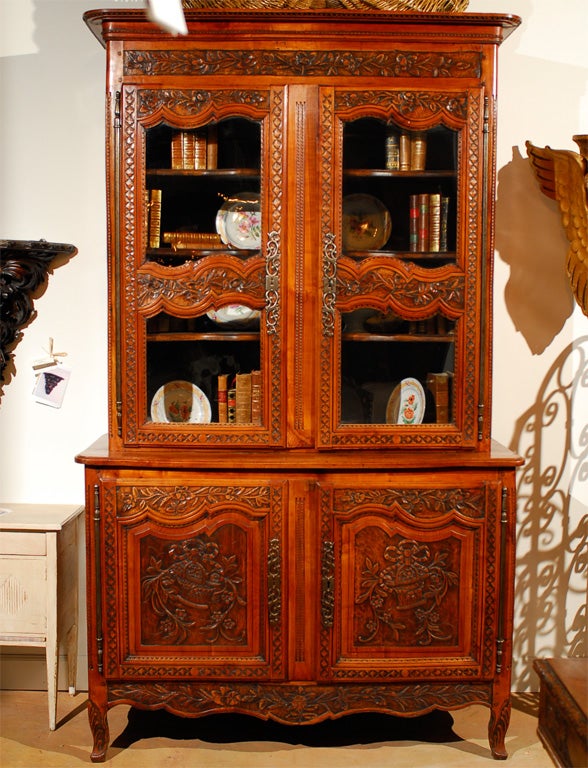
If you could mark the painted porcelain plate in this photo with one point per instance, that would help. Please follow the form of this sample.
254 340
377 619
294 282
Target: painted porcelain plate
180 402
367 223
238 221
407 403
235 316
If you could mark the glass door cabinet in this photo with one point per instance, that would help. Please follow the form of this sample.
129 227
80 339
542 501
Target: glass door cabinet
298 511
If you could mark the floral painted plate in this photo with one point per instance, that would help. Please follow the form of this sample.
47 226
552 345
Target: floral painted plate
180 402
235 316
238 221
406 404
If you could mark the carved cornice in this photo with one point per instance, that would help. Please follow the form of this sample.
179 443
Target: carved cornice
24 266
399 63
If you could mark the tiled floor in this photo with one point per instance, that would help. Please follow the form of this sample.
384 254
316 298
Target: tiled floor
159 740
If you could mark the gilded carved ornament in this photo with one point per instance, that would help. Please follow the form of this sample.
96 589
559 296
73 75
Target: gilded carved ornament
563 176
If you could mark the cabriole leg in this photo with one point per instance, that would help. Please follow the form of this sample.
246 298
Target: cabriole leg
99 725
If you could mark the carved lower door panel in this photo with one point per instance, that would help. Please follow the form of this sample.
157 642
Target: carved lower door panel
192 584
412 564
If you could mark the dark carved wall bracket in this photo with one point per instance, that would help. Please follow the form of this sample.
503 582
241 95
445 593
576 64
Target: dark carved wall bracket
24 266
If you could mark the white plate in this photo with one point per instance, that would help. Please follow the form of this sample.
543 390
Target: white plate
407 403
180 402
238 221
235 316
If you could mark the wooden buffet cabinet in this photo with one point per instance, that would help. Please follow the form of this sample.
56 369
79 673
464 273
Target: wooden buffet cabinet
299 511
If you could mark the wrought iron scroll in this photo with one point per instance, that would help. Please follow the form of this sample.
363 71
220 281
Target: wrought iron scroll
329 283
328 584
274 582
272 282
552 519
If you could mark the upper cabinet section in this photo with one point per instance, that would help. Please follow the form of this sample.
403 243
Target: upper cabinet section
300 228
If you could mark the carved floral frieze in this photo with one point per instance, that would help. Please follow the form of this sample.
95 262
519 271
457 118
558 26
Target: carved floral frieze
448 105
196 286
401 286
304 63
301 703
427 502
188 103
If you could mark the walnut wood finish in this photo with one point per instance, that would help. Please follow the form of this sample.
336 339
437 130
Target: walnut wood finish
319 562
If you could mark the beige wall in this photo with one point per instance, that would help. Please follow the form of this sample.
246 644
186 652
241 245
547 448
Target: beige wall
52 187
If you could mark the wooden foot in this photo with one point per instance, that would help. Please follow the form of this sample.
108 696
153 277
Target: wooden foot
497 728
99 727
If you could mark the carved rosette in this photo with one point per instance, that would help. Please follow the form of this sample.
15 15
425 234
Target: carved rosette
306 63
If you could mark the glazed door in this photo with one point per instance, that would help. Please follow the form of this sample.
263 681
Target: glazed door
404 259
193 576
410 573
197 242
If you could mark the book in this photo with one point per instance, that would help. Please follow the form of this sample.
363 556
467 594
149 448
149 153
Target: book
392 151
438 385
423 222
444 218
243 398
176 151
199 152
223 415
413 224
212 147
418 151
434 221
404 152
154 218
256 397
231 405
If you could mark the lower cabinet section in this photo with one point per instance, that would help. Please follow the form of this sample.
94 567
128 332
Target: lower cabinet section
300 596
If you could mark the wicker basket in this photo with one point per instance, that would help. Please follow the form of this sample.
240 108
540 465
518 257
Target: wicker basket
424 6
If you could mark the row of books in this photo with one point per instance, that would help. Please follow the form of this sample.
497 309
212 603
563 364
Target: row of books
239 401
406 151
195 150
429 213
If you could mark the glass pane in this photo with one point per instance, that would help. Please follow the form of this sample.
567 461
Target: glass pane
197 353
399 203
399 191
202 203
191 175
396 371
